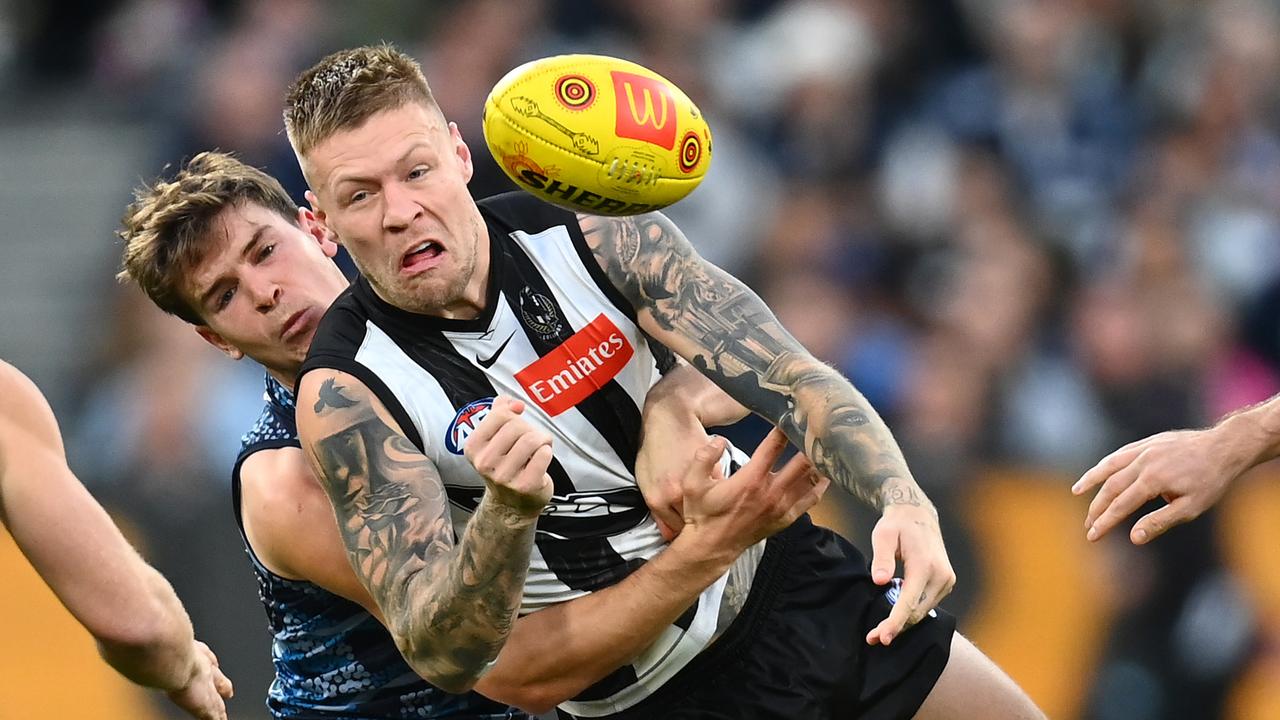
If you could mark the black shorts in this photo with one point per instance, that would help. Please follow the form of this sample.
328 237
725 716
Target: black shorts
798 649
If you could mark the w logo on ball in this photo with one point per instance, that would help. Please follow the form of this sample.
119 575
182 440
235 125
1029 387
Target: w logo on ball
645 109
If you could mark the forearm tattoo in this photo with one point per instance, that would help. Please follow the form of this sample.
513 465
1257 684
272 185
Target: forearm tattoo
733 338
451 605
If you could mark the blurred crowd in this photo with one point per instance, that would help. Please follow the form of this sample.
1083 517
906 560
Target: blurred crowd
1030 231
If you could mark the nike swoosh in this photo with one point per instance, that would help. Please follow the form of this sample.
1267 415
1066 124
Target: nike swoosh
488 362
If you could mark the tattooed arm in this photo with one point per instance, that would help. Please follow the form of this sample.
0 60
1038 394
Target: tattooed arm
450 607
723 328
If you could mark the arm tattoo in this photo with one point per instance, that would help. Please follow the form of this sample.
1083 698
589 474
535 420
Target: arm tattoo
331 397
451 607
732 337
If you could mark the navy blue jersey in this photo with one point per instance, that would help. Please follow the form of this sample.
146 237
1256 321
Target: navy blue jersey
333 660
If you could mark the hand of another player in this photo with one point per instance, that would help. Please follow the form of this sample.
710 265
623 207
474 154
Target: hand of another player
1188 468
909 531
664 458
513 457
726 516
205 693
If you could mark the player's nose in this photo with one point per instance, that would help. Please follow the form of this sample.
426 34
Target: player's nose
265 294
401 208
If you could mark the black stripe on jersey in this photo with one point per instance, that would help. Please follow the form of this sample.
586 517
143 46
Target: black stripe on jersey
610 410
371 381
536 213
662 355
596 272
685 621
611 684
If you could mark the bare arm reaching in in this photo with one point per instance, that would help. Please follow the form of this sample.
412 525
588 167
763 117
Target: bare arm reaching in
723 328
449 606
560 650
1189 469
141 627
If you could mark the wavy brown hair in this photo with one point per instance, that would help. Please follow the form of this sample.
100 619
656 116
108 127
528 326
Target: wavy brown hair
167 229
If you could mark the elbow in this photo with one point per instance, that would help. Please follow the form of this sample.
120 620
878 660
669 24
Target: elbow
452 683
537 703
533 698
453 669
452 680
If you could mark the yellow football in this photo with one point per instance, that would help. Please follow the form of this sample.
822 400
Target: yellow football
597 134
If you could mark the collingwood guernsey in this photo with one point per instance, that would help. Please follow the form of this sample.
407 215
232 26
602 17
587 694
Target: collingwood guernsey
556 334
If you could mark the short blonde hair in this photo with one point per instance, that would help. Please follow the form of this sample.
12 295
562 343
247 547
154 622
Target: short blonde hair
348 87
167 228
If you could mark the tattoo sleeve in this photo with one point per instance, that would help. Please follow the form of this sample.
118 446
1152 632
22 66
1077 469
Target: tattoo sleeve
725 330
449 606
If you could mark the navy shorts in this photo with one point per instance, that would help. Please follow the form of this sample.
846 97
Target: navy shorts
798 649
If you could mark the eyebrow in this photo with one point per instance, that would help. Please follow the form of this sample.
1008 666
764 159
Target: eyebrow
245 252
337 182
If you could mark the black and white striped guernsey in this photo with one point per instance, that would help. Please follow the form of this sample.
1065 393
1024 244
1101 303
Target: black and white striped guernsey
558 335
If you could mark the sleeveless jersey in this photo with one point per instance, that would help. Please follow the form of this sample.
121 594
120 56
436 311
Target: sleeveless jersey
332 659
557 334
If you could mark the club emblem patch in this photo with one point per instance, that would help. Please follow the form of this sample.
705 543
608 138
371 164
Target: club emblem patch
539 314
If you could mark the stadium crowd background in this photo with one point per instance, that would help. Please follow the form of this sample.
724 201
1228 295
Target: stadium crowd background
1029 230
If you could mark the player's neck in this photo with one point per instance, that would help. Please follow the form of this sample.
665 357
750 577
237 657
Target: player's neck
286 379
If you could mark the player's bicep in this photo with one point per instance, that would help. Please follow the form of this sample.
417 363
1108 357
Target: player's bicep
704 314
390 505
290 525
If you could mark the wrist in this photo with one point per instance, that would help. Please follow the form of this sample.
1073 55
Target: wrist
187 674
695 556
511 510
904 495
1242 441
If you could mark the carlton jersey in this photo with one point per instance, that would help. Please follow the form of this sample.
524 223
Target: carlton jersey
558 335
334 660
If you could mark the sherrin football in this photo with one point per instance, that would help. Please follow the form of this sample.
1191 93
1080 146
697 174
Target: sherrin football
597 134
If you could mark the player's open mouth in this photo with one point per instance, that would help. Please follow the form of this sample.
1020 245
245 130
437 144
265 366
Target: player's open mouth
296 323
421 256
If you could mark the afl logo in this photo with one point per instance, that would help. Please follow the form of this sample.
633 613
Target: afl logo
539 314
690 152
465 423
575 92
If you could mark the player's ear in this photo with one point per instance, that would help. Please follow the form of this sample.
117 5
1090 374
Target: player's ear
314 202
310 223
219 342
463 152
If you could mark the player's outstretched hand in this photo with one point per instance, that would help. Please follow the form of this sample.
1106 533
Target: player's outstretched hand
1185 467
205 693
513 457
732 514
908 530
661 464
